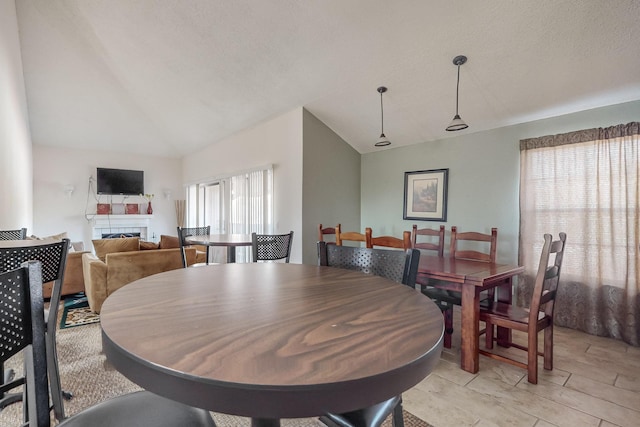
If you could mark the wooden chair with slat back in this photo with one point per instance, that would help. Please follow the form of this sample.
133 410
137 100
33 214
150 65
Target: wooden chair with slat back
472 236
447 299
438 246
351 236
538 317
328 231
388 241
431 245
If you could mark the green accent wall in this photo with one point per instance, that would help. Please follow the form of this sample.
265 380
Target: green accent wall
484 175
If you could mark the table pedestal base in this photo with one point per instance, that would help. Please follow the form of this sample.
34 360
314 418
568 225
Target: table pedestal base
231 255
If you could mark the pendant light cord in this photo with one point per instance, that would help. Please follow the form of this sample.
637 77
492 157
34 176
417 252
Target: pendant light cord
381 115
457 89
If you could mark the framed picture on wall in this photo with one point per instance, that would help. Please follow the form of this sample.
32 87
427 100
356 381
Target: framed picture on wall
425 195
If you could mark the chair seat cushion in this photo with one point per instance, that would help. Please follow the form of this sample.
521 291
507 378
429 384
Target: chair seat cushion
140 408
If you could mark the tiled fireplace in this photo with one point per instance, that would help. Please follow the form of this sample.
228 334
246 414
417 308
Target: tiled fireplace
121 224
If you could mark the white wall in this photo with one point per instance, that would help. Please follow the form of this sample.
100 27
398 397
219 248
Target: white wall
16 194
277 141
331 184
55 212
484 170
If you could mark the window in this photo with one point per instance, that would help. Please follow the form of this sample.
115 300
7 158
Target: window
587 184
238 204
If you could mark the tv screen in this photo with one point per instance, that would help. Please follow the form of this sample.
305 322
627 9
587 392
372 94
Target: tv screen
120 181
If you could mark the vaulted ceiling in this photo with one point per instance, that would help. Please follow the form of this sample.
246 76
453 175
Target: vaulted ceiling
169 77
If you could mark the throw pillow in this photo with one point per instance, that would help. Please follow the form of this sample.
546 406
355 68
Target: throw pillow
147 245
168 242
60 236
103 247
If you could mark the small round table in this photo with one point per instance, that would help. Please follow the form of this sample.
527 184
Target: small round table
231 241
272 340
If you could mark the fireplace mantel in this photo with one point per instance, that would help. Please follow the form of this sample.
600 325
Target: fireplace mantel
103 224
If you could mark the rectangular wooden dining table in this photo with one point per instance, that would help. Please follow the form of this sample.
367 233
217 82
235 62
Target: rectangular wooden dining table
470 278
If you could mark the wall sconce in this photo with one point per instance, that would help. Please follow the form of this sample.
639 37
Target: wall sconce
167 194
68 190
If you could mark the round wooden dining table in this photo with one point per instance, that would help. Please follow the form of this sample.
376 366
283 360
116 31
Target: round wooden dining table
272 340
231 241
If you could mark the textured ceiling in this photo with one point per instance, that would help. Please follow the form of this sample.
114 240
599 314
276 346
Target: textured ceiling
169 77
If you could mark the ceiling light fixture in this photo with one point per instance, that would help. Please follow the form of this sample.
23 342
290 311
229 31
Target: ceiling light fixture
457 123
382 141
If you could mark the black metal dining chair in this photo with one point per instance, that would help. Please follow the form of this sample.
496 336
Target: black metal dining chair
23 330
183 233
399 266
53 256
271 247
20 234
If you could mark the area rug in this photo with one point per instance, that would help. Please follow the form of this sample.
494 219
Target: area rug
76 312
85 372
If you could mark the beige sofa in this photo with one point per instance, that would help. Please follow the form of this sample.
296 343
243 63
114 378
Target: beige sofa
73 277
104 276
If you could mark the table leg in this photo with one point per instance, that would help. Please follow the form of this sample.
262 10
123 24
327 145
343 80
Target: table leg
231 254
265 422
470 328
503 335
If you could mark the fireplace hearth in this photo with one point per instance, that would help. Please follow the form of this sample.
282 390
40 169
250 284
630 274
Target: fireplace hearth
112 226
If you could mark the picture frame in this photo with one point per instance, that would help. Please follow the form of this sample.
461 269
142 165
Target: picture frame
425 195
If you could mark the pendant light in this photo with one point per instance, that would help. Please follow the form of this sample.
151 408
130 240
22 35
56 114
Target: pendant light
457 123
382 141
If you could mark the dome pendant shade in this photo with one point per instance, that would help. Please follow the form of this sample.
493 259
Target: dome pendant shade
382 140
457 123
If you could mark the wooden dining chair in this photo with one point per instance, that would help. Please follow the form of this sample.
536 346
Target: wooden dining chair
446 299
350 236
326 231
431 234
271 247
472 252
434 242
399 266
183 233
537 317
388 241
20 234
53 258
24 331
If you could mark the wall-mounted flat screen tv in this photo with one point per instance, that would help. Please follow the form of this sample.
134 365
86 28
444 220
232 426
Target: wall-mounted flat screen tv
120 181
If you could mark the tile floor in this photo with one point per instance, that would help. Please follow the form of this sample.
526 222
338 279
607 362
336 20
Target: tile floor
595 382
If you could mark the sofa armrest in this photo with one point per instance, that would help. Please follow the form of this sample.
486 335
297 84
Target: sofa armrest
95 280
73 276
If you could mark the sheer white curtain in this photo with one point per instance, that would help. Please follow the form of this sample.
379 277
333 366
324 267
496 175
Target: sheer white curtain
586 184
237 204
